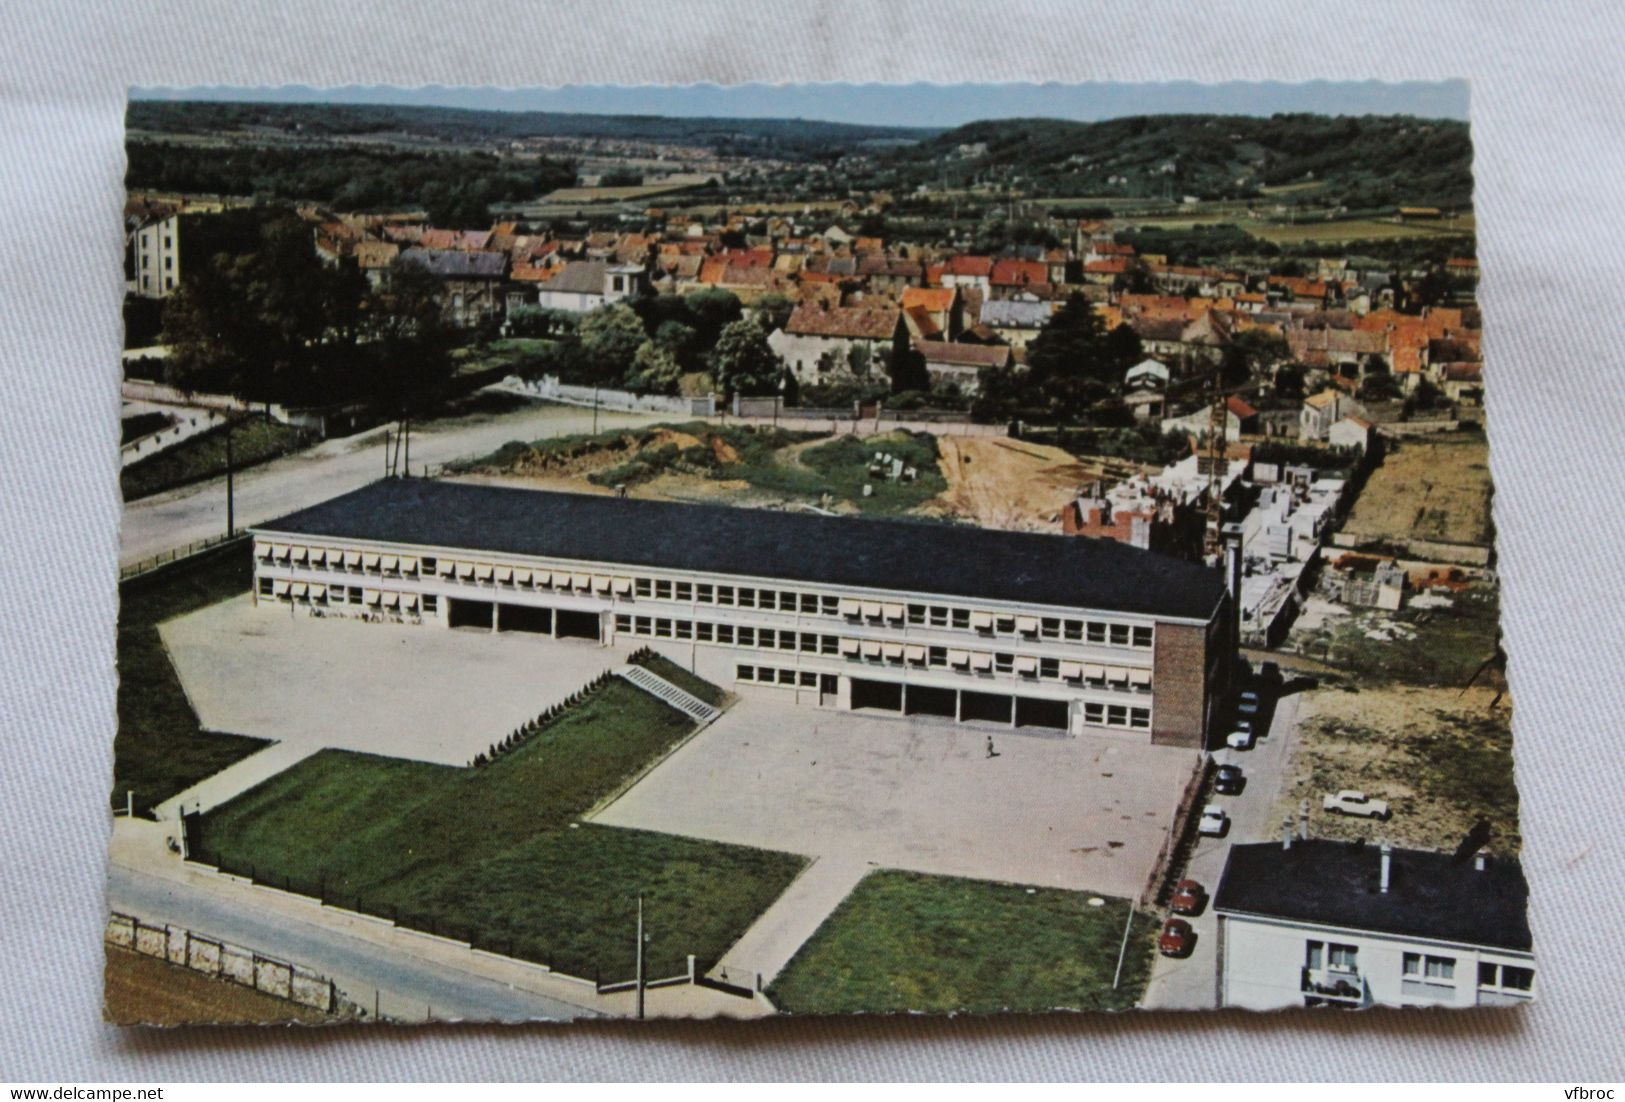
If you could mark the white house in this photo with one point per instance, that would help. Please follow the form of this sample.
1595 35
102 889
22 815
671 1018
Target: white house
585 285
1350 432
1321 411
1316 922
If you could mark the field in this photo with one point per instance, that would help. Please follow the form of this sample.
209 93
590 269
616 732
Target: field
496 854
143 990
159 748
503 356
1442 758
1437 639
909 942
1331 232
254 440
622 194
1437 490
759 466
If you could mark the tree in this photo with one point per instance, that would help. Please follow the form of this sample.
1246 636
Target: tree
257 323
772 311
710 311
680 340
1379 383
655 370
610 338
1123 350
743 362
907 370
1289 383
408 362
1251 354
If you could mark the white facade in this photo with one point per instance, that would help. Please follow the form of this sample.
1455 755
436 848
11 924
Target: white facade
832 646
156 258
1269 963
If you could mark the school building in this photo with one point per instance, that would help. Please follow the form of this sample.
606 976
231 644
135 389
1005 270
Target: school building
1075 635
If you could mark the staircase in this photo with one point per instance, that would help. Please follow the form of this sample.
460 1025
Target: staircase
661 689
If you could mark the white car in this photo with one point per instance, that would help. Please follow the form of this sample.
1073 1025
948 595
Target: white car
1241 738
1214 821
1350 802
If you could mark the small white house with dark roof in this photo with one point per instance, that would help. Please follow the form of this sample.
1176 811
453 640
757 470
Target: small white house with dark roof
1315 922
585 285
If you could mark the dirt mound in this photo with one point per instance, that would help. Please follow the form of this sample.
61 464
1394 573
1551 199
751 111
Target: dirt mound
1011 484
725 452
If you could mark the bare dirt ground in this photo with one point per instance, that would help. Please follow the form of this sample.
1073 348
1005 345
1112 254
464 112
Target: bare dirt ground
143 990
1441 757
1437 489
1010 484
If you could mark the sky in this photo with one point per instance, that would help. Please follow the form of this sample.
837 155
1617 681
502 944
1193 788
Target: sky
926 105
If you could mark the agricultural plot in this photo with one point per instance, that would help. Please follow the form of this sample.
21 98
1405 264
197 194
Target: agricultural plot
1434 491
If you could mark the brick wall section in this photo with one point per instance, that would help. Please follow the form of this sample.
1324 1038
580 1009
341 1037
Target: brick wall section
1179 678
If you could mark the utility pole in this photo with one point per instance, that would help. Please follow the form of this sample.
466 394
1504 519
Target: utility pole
595 408
386 453
406 429
231 502
1122 951
640 958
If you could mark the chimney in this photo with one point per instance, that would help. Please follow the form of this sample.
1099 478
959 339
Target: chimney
1387 868
1303 819
1232 561
1286 832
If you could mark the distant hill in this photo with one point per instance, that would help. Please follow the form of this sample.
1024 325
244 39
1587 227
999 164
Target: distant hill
764 137
1358 161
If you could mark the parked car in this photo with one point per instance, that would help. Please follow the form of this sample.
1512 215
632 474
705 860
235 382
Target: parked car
1177 938
1248 704
1351 802
1214 821
1188 898
1229 780
1241 738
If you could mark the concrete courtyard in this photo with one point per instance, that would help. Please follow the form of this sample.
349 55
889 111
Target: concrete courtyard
864 791
398 690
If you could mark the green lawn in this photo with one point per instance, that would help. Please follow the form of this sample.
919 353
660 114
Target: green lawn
906 941
254 440
506 355
494 854
159 749
690 683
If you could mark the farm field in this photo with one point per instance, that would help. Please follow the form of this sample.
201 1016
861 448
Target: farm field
1358 229
910 942
1437 489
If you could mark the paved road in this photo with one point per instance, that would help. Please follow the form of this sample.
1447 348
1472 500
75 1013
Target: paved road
1192 983
163 522
407 988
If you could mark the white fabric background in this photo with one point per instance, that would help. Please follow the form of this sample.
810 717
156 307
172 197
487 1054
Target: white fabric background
1547 87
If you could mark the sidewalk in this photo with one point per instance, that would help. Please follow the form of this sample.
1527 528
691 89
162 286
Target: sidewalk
774 938
234 780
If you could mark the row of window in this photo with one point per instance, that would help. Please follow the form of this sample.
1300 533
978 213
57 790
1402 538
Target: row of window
315 593
853 610
777 675
894 654
1422 967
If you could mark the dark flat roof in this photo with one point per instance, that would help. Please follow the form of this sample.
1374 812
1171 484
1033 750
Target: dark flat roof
923 557
1430 895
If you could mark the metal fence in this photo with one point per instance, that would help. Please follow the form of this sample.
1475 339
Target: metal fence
164 558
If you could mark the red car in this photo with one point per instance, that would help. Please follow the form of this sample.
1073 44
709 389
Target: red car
1177 940
1189 896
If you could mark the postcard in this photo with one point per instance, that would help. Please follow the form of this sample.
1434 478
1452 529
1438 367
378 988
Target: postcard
699 564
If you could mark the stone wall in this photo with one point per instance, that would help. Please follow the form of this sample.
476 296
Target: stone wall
213 957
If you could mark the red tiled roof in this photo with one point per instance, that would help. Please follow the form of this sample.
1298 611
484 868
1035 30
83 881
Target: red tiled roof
865 322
